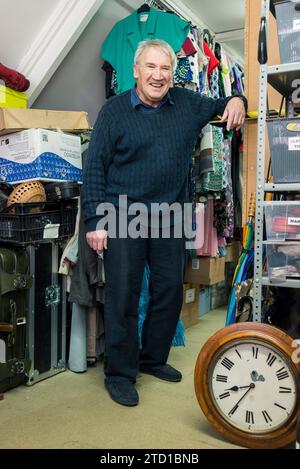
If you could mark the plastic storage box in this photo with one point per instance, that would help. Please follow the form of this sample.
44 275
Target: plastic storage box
26 225
283 260
11 98
288 27
282 220
284 140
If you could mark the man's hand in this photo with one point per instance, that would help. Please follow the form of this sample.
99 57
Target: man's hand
97 240
234 114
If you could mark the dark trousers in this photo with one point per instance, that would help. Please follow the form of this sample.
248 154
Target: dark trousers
124 263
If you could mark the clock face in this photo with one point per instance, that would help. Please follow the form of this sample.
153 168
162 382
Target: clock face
253 386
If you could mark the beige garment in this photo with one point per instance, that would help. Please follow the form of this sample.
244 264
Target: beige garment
95 330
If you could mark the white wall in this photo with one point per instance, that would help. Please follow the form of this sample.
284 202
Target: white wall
79 82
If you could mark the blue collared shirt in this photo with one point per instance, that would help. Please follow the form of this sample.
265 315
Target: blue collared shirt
138 103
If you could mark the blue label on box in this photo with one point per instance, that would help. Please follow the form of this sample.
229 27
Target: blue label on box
46 166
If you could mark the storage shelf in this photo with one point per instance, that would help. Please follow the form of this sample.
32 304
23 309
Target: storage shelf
288 187
272 7
282 76
288 283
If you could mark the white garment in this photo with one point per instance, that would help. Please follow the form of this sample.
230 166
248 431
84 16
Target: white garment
70 253
226 74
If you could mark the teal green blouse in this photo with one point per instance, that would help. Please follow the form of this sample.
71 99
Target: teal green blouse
121 44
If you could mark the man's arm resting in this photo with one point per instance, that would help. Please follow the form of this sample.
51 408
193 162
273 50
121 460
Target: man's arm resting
235 112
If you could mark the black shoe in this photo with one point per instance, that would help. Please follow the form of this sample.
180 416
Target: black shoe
122 392
165 372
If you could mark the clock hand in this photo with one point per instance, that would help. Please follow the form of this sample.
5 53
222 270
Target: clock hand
251 386
236 388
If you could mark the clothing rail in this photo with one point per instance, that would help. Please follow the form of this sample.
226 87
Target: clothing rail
190 17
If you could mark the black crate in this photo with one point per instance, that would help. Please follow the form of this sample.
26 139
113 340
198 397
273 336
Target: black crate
21 226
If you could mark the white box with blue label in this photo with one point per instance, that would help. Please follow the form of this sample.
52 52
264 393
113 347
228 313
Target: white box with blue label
40 154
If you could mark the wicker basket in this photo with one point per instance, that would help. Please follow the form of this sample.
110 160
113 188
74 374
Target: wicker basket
28 192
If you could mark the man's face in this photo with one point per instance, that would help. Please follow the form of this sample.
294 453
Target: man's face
153 75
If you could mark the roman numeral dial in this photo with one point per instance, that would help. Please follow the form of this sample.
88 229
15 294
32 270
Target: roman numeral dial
227 363
271 359
254 387
282 373
249 417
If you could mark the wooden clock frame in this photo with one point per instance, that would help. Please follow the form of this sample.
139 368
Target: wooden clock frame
278 438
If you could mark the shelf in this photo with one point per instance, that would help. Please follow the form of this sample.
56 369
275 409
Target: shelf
282 76
272 7
289 283
288 187
218 123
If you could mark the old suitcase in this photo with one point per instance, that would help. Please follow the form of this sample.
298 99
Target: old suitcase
46 325
15 280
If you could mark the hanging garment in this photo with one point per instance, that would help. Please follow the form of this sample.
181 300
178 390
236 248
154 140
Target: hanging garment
237 175
214 84
70 254
108 79
87 275
220 214
189 52
225 74
120 45
183 72
189 46
218 55
210 245
213 61
214 181
203 157
193 61
227 184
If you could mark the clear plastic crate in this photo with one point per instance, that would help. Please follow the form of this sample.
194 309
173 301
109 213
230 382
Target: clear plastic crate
284 141
288 28
282 220
283 260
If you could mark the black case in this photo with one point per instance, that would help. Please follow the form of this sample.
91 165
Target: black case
46 325
15 280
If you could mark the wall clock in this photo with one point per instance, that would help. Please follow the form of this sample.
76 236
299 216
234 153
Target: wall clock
247 385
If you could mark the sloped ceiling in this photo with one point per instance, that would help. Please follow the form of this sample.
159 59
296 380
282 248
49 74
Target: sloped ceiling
21 21
76 81
220 15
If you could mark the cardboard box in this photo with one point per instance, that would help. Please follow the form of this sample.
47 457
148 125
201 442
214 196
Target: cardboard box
40 154
14 120
233 251
12 98
189 312
205 270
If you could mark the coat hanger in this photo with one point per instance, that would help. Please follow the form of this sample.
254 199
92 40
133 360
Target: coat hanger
143 8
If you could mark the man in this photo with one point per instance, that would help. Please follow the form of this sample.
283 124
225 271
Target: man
141 147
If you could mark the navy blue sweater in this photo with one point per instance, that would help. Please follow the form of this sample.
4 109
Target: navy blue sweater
145 156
